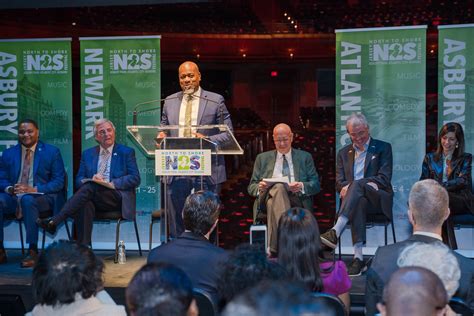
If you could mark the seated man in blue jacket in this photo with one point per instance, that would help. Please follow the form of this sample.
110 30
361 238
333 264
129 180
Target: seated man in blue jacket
31 181
106 181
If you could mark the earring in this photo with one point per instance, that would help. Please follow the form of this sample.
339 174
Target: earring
457 145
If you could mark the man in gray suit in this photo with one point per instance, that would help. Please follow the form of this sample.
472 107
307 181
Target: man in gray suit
193 106
363 175
277 198
428 209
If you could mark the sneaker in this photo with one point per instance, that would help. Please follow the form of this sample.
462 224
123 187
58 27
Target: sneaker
329 238
356 268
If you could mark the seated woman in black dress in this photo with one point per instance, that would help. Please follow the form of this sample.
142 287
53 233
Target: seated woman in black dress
451 167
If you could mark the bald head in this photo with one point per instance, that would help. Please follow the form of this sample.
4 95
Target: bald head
283 138
428 206
189 77
413 291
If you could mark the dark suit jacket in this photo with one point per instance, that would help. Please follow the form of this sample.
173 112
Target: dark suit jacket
123 173
378 169
196 256
385 263
48 171
212 111
304 171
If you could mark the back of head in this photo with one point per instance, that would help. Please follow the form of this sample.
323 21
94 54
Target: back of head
436 257
428 203
276 298
299 246
247 265
201 211
63 270
413 291
159 289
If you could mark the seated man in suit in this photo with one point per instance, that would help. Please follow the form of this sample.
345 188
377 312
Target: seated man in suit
29 168
276 198
192 251
427 210
106 181
193 106
363 175
413 291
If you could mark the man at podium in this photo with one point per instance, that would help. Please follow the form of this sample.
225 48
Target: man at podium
193 106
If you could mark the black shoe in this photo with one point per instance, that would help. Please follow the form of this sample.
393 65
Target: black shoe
329 238
356 268
3 256
47 224
30 260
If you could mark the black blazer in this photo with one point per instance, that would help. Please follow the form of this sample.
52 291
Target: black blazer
196 256
385 263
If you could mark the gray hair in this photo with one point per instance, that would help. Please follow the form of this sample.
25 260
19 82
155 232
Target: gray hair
428 202
357 119
100 122
436 257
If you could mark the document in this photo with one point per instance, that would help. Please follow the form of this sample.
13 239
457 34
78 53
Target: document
272 181
109 185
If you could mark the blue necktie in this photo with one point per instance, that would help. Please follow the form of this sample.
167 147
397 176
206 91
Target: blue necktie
285 171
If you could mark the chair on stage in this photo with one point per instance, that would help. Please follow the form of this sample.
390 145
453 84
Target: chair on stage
376 217
155 218
457 221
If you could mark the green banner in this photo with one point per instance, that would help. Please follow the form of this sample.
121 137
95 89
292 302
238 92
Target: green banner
456 78
36 83
380 72
117 73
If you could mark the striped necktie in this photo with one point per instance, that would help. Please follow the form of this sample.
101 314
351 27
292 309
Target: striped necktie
104 156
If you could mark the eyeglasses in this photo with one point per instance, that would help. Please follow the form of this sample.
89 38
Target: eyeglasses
281 140
358 134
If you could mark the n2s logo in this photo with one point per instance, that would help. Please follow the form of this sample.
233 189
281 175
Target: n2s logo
394 51
132 61
45 62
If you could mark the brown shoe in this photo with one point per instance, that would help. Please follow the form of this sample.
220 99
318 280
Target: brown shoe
3 256
30 260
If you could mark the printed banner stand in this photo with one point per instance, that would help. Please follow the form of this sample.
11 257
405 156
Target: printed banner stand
116 74
381 73
36 83
456 96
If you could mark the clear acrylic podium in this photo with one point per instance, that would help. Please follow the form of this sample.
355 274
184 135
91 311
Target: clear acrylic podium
217 138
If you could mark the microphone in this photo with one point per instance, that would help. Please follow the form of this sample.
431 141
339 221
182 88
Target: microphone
138 105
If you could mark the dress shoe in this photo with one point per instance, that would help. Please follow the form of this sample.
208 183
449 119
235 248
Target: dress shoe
3 256
47 224
329 238
30 260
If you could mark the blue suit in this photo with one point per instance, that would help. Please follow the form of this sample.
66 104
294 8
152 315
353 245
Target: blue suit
212 111
48 178
91 197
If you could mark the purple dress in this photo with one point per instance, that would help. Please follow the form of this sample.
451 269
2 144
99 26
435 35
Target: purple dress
337 281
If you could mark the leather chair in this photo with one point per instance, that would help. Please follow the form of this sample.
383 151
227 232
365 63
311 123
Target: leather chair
330 303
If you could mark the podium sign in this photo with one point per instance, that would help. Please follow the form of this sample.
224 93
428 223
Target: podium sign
182 162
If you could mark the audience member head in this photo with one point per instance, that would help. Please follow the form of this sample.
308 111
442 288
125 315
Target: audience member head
28 132
247 265
104 132
428 206
283 138
189 77
450 141
436 257
413 291
160 289
201 212
299 247
276 298
358 129
65 270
